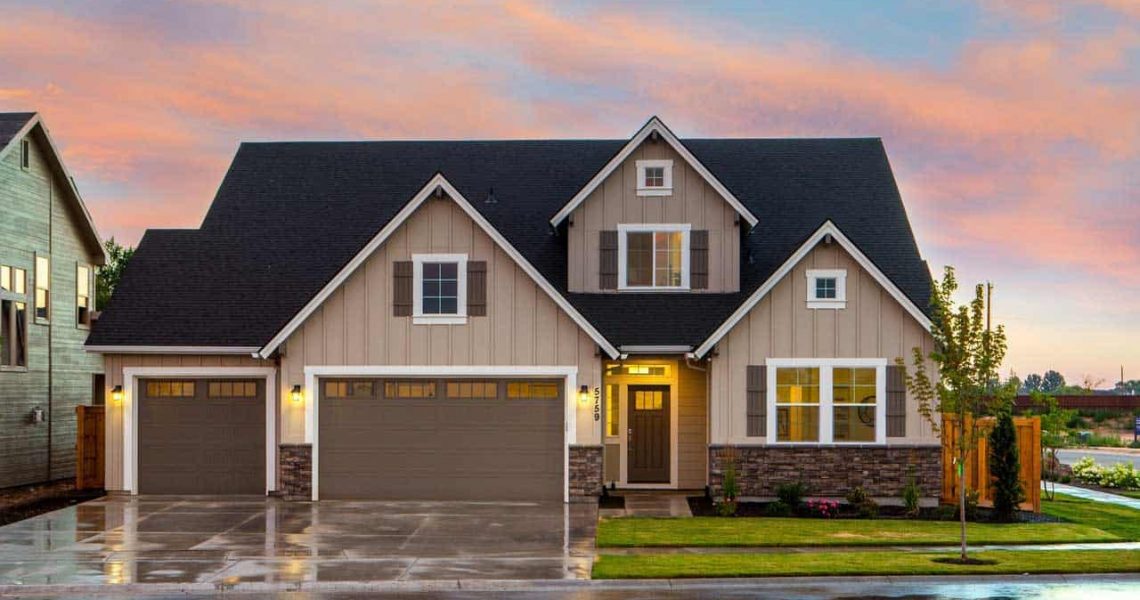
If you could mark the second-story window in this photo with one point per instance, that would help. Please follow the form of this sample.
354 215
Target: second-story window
654 177
83 296
13 318
653 257
440 289
43 288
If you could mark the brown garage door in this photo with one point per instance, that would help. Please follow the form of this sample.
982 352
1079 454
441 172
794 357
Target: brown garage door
441 439
201 436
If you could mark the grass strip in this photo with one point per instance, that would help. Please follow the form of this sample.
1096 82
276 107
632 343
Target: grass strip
1121 521
677 566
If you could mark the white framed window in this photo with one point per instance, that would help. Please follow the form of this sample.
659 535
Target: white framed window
654 177
83 287
439 290
827 288
827 401
653 257
43 288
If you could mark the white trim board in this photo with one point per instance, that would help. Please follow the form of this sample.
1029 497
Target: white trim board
828 228
438 182
68 179
569 375
654 125
130 410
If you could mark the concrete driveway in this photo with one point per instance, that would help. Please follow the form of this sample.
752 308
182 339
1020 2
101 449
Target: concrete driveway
230 541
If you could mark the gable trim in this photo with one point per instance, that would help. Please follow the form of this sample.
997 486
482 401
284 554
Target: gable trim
437 182
654 125
68 179
828 228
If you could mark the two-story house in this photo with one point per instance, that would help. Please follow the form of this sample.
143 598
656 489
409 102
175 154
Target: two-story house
525 320
49 250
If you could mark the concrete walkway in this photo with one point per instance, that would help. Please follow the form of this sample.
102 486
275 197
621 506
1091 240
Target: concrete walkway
651 504
1098 496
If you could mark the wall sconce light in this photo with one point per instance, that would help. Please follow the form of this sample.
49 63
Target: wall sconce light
584 395
117 394
296 395
37 415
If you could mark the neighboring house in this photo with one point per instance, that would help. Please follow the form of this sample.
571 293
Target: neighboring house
49 251
525 320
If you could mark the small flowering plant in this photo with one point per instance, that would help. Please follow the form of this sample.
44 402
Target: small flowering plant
825 509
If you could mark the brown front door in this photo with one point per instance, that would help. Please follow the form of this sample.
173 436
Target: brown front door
648 442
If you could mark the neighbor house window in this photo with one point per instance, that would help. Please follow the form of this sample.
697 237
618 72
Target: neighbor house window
654 177
43 288
25 154
653 256
827 288
13 317
83 296
827 400
440 288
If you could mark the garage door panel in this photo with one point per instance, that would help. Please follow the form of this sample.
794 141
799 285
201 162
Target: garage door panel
441 448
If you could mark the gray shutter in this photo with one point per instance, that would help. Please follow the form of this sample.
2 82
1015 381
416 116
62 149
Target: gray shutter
896 401
476 288
608 265
757 394
402 282
699 259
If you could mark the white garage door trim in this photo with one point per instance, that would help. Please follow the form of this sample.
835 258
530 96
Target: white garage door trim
569 376
130 409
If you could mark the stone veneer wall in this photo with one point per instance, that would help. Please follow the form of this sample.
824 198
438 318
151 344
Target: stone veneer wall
585 472
829 471
295 471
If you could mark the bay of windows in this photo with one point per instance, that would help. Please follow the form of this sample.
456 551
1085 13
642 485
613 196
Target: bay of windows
827 401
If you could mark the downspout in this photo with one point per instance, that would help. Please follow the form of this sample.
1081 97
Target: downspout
51 321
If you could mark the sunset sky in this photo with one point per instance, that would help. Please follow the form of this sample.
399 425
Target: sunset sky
1013 126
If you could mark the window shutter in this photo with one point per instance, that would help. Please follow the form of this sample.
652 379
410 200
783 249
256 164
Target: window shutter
757 393
608 265
476 288
896 401
402 282
699 259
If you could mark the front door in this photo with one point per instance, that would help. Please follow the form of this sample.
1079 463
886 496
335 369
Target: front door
648 441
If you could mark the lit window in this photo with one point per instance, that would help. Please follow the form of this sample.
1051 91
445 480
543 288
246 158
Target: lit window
830 403
654 177
170 389
532 389
409 389
854 399
43 288
615 369
477 390
827 288
83 296
648 399
797 405
348 389
613 410
653 256
440 288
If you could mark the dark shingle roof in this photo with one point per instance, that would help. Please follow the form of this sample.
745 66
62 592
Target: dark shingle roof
288 216
11 124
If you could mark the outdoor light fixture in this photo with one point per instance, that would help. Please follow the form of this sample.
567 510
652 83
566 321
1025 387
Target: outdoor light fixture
584 395
37 415
296 394
117 394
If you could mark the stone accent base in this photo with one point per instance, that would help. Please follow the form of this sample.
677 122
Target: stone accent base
829 471
585 472
295 471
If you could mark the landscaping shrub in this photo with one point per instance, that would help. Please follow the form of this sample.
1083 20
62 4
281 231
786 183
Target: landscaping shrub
972 497
911 496
1005 468
778 509
729 491
864 506
792 494
823 508
1121 475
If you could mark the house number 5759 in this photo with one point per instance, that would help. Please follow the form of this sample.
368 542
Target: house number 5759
597 404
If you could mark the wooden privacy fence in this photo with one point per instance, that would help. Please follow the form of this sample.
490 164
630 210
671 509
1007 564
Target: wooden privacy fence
89 447
977 467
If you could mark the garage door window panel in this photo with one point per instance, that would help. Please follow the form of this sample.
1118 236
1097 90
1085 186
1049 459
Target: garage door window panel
475 390
533 390
231 389
170 389
349 389
409 389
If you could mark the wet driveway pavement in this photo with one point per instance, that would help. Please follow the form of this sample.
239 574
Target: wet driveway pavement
230 541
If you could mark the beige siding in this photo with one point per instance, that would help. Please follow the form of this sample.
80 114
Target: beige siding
692 427
616 202
355 325
873 325
114 365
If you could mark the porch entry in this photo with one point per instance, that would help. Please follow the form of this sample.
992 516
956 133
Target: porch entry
647 440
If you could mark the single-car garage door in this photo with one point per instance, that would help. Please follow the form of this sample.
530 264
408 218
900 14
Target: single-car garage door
201 436
441 439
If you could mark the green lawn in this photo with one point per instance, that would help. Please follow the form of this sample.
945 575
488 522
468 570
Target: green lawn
1120 521
714 531
661 566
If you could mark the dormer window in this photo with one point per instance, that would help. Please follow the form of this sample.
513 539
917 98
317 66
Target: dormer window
654 177
653 257
827 288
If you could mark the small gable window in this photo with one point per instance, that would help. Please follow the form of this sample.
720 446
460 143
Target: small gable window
440 289
654 177
25 154
827 288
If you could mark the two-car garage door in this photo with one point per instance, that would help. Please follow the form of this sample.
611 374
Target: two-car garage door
441 439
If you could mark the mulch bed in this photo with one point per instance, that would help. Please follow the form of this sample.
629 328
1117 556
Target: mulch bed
703 506
26 501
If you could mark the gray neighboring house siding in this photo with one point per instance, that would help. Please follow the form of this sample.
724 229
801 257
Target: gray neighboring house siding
40 214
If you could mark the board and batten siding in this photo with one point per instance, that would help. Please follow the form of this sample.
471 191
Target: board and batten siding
356 326
38 216
113 419
616 202
873 325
